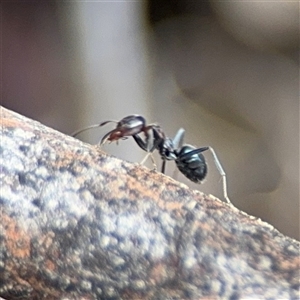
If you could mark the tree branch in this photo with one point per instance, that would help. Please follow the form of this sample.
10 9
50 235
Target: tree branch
77 223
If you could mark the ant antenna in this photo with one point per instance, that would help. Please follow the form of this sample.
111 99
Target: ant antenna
90 127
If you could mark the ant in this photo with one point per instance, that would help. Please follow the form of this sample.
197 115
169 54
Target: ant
189 160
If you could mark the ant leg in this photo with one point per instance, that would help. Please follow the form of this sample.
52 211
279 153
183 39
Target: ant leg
222 173
152 159
145 147
140 142
163 166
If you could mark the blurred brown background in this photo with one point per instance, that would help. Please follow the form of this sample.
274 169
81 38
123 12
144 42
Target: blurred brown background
228 72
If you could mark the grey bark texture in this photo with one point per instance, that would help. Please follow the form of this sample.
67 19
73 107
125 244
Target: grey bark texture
76 223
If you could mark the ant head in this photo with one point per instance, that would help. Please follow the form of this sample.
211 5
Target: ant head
130 122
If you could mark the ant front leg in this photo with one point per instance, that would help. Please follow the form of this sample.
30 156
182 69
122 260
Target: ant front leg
140 142
222 173
146 147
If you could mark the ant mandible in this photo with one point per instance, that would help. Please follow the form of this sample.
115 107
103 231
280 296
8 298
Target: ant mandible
189 160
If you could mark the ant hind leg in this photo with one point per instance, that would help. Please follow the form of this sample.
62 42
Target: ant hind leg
222 173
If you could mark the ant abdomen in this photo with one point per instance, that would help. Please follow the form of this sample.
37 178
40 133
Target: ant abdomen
191 163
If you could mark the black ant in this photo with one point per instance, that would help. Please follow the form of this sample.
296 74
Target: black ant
189 160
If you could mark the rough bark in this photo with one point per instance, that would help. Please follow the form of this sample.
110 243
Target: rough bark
76 223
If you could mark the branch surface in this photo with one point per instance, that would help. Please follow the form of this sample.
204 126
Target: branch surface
76 223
